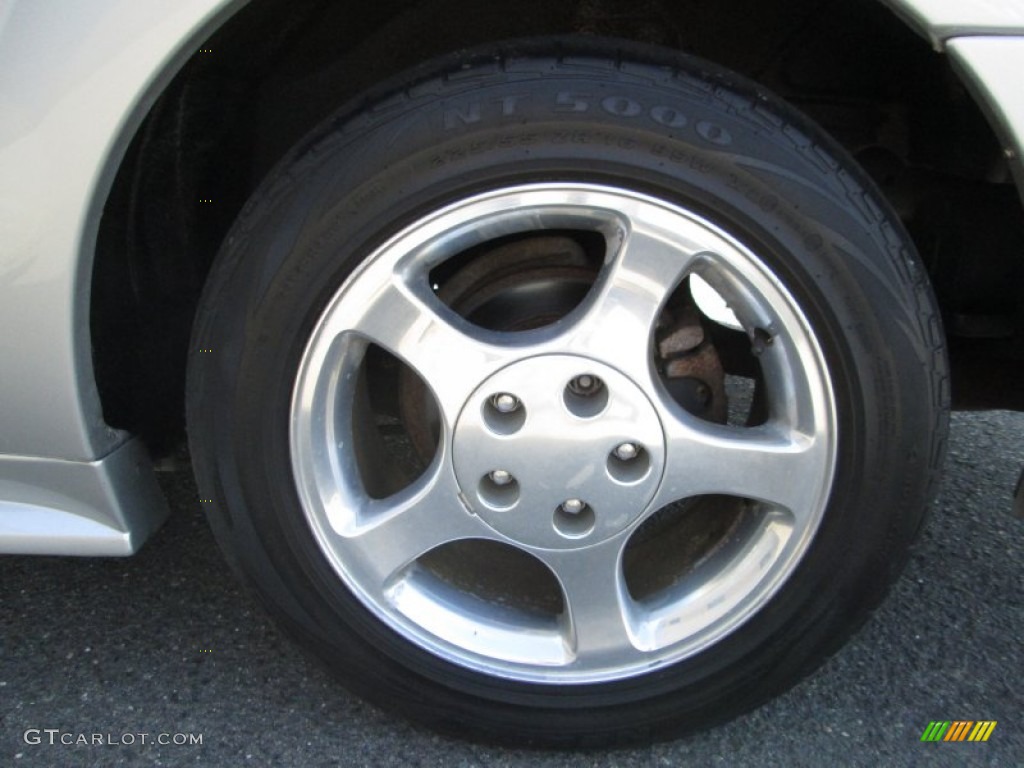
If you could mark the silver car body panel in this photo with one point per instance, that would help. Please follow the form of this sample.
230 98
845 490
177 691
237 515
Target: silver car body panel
104 507
941 20
991 68
76 81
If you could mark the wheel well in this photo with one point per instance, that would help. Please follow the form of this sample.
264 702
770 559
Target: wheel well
279 67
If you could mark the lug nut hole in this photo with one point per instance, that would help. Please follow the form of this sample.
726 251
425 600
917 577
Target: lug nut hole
628 466
574 521
585 396
504 413
498 490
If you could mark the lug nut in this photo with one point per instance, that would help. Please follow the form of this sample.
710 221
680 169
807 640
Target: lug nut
503 402
573 506
500 477
586 385
627 451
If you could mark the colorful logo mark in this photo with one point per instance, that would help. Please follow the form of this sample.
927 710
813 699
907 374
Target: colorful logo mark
958 730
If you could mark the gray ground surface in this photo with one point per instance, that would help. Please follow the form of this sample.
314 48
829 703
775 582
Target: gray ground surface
165 642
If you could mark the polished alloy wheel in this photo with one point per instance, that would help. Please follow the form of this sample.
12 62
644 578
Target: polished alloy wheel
559 442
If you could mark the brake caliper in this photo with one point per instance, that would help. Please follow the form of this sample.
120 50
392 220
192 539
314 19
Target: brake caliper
690 364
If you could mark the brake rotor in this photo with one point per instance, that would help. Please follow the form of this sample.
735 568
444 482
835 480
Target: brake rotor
516 286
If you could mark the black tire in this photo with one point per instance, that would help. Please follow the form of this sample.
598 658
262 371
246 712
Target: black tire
657 124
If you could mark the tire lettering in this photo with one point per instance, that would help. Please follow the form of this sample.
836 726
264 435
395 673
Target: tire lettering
567 101
766 202
476 147
681 157
576 137
668 117
714 133
461 115
621 106
508 105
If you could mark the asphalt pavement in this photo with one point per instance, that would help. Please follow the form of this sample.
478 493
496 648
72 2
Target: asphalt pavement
147 655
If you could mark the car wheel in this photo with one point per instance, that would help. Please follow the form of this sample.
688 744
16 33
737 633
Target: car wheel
568 397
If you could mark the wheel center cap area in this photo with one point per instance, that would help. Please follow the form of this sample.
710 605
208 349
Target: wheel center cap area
558 452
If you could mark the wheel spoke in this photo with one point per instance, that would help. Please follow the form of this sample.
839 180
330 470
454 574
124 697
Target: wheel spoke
448 353
769 464
618 321
598 609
